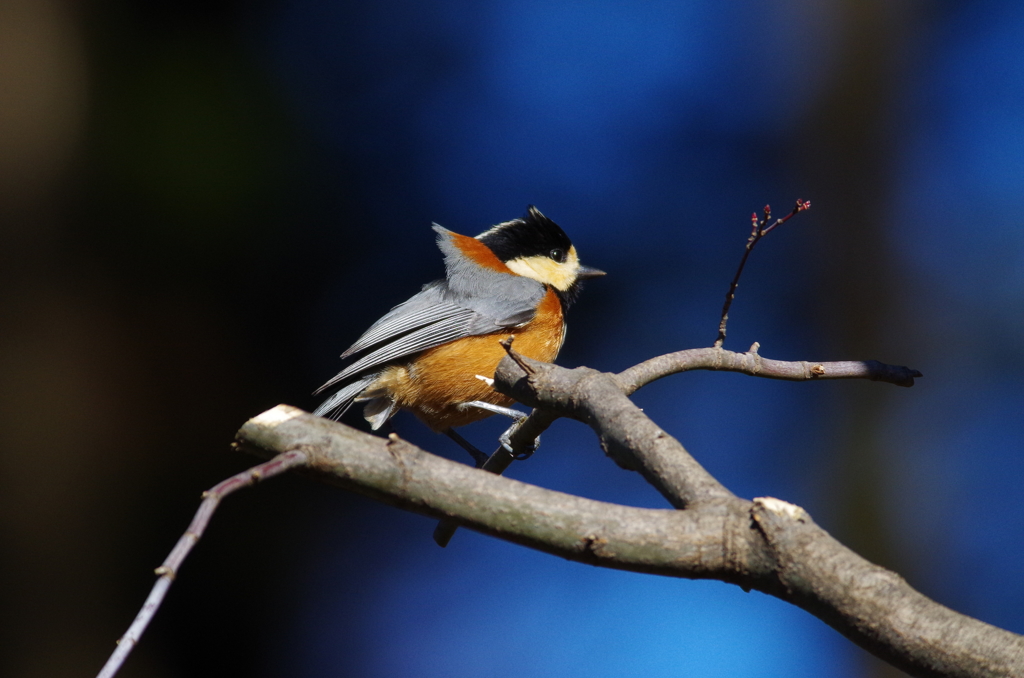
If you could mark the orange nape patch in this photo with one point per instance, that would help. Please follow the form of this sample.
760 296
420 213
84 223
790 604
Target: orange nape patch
434 384
479 253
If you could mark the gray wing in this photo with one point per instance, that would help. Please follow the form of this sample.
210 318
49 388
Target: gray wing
429 306
427 336
431 318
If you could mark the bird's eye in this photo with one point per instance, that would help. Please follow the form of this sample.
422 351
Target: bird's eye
558 255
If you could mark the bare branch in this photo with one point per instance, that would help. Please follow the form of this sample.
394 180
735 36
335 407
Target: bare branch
759 229
393 471
767 544
601 401
634 378
751 363
598 400
169 569
719 535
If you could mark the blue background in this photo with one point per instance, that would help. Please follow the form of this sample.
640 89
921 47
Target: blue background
203 204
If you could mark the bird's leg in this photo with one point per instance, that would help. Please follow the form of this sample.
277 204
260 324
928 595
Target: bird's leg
478 456
496 409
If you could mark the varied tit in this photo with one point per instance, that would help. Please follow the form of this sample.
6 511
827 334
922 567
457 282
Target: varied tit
435 353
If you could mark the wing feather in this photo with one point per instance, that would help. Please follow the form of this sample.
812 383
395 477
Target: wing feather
400 325
424 308
432 335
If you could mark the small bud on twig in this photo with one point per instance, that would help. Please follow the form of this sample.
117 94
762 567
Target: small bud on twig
759 229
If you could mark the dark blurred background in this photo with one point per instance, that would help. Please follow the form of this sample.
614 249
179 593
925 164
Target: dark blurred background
203 203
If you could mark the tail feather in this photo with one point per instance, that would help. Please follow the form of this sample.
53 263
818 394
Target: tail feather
378 411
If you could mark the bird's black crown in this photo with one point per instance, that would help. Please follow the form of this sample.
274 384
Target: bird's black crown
533 234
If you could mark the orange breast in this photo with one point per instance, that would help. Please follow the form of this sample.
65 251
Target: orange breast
433 385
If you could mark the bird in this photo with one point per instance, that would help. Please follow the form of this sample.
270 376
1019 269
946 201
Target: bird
434 354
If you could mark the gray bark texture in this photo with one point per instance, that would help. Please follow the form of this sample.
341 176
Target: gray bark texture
765 544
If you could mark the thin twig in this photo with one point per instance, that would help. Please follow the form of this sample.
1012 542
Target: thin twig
753 364
759 229
507 345
169 569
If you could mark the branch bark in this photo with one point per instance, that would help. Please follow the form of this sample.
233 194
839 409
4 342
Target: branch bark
753 364
396 472
766 544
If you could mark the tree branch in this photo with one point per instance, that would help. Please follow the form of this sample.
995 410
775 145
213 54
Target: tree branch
169 569
767 544
393 471
597 399
751 363
712 358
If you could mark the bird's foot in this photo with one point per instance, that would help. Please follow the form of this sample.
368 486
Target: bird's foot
506 442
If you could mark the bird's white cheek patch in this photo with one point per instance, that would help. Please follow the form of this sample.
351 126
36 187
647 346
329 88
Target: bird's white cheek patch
546 270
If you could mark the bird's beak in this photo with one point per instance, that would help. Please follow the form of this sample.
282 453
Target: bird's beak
584 272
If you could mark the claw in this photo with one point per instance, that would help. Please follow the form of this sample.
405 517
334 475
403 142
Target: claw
506 442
